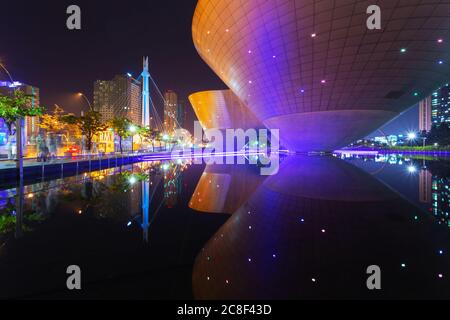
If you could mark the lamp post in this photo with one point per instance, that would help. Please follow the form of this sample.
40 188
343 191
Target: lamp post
19 166
132 130
412 137
80 94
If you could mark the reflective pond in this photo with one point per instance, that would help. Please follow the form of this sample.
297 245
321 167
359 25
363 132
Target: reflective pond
164 230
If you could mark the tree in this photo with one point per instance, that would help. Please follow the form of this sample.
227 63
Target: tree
15 107
440 135
121 127
149 135
52 123
89 125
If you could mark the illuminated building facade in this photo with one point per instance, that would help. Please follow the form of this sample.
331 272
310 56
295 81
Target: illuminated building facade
440 105
170 111
120 97
425 115
313 69
31 126
222 110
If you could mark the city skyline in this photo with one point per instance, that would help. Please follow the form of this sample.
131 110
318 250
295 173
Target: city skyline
225 150
40 50
101 61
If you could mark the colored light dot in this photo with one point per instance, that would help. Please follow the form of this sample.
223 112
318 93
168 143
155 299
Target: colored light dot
249 51
313 35
302 220
250 227
313 280
416 94
440 275
403 265
323 81
250 81
249 260
274 256
227 282
227 30
440 62
208 278
441 252
416 218
440 40
302 91
403 50
323 231
274 57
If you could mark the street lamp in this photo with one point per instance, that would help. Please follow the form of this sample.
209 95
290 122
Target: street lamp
132 130
412 136
19 165
82 95
7 72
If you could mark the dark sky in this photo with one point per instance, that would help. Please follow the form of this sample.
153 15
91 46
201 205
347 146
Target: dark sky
38 49
408 121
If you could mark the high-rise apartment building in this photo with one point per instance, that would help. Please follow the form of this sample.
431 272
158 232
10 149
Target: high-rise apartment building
425 115
440 106
170 111
119 97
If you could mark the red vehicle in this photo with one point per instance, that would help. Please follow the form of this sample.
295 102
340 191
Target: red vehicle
72 151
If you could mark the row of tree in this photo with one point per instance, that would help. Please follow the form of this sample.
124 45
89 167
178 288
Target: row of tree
90 124
15 107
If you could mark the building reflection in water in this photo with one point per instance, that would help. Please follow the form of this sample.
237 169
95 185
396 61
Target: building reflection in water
132 195
424 181
312 230
225 188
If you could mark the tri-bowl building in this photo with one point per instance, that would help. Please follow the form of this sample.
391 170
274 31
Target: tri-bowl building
314 70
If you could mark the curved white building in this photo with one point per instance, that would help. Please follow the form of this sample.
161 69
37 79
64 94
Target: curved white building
315 71
222 109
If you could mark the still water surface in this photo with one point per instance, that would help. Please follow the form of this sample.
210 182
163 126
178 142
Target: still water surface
181 231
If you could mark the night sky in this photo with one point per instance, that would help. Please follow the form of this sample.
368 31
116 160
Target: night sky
38 49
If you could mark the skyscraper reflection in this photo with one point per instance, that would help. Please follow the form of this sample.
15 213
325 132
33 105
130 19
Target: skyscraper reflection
311 231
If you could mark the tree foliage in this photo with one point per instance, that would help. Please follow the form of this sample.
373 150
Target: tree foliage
89 125
17 106
440 134
53 123
121 127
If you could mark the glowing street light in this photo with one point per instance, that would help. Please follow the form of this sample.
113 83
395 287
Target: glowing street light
412 169
412 136
132 180
82 95
132 129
